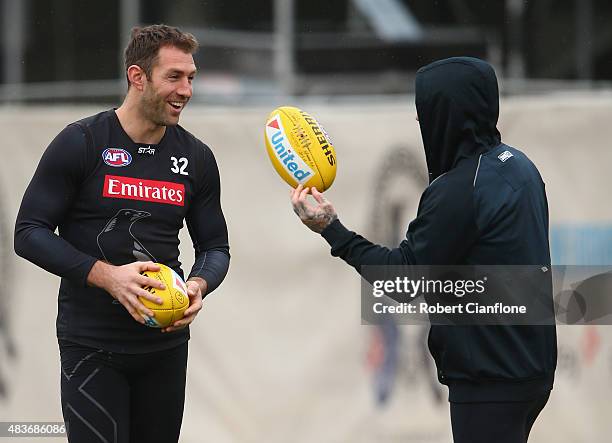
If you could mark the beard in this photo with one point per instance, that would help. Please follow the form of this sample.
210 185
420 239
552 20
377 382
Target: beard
153 107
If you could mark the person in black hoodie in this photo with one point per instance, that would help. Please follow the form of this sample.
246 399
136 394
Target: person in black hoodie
485 205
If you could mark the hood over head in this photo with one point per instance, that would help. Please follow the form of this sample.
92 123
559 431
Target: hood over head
457 103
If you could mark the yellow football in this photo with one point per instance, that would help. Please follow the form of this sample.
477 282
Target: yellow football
300 149
174 298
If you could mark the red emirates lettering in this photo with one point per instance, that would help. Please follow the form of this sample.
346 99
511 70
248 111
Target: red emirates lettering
145 190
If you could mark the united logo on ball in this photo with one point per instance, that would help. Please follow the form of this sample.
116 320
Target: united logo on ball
174 298
300 149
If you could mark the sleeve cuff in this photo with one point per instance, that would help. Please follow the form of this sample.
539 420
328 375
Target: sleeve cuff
336 233
210 278
86 270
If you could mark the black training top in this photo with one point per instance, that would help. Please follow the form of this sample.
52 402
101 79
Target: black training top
119 201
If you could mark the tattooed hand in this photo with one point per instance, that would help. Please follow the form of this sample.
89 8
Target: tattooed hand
316 217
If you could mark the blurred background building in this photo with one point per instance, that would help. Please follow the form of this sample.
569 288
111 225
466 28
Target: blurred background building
253 50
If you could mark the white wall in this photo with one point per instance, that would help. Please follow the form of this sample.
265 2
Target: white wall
278 354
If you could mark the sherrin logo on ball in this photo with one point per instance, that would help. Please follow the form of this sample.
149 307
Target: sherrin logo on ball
300 149
174 298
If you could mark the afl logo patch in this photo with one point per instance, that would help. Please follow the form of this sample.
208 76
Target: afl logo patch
116 157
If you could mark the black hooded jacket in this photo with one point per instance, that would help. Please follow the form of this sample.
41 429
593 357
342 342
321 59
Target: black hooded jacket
485 205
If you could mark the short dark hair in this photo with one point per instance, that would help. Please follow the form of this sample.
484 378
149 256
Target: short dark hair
145 42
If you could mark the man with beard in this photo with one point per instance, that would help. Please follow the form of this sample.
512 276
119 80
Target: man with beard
119 185
485 205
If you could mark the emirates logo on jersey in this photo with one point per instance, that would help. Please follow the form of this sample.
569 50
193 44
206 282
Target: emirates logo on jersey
154 191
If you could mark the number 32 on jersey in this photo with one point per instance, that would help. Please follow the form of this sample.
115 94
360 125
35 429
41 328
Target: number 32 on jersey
179 166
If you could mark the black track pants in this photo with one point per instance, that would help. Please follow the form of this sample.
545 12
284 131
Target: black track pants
502 422
122 398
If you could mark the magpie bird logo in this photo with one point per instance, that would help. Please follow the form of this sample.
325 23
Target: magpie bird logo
396 354
118 237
